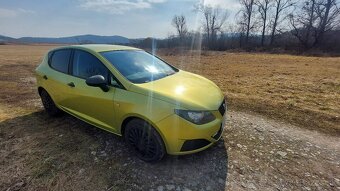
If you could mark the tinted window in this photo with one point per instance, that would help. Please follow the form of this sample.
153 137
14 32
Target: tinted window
60 60
86 65
139 66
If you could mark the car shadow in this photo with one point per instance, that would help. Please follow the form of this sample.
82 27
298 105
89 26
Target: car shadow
103 156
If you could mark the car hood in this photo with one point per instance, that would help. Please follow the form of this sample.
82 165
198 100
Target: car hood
187 90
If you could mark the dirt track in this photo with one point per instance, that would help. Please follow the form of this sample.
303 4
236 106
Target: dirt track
39 153
264 154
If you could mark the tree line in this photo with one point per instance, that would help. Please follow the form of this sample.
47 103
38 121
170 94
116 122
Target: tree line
291 25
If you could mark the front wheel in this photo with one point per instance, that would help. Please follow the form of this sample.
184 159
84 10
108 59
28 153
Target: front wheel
144 140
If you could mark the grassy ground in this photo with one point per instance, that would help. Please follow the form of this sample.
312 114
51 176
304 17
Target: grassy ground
17 81
38 152
302 90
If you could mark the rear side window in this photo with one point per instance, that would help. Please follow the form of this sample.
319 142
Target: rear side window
86 65
60 60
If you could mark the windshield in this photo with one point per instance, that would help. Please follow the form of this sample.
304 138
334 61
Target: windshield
139 66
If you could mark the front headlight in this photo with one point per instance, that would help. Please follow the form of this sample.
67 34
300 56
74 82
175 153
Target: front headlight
196 117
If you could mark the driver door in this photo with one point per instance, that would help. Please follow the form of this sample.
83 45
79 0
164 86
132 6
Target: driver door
90 103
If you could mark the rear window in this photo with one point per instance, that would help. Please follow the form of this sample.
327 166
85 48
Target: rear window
60 60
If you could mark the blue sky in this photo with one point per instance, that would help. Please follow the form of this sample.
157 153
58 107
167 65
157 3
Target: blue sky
129 18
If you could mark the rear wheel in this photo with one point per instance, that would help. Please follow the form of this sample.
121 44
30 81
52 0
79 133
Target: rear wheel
49 104
144 140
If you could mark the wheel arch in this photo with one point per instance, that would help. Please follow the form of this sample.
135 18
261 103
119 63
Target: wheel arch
136 116
40 89
130 117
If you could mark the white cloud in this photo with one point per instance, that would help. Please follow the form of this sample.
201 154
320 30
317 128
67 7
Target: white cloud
226 4
10 13
117 6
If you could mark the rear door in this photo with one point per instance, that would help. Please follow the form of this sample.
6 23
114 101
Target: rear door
58 77
89 103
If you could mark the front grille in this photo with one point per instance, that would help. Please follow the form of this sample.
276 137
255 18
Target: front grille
218 134
190 145
222 107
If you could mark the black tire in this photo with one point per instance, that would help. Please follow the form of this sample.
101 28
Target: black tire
49 105
142 138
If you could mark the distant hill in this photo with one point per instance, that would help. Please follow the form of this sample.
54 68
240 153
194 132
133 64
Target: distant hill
5 39
80 39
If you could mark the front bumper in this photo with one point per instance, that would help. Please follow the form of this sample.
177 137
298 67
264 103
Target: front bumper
183 137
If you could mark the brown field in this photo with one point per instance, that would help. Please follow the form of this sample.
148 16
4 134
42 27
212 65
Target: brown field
42 153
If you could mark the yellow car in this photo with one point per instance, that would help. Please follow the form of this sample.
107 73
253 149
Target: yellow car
157 108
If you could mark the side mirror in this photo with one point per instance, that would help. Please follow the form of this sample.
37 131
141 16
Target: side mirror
98 81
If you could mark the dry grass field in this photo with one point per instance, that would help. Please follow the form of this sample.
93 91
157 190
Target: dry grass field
42 153
17 81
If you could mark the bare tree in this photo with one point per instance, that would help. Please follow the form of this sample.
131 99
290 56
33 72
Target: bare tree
280 6
179 22
264 8
303 22
214 19
240 28
247 12
313 20
328 13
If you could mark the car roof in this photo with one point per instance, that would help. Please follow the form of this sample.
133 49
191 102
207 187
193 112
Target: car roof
102 47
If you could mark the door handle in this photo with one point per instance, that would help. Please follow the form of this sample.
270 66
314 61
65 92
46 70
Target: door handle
71 84
45 77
